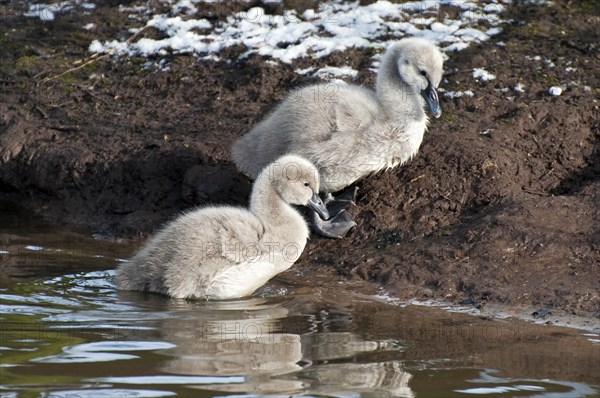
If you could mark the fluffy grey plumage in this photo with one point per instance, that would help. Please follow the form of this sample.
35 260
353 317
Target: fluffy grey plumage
228 252
348 131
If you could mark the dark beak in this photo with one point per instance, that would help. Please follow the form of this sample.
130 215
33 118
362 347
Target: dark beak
317 205
432 100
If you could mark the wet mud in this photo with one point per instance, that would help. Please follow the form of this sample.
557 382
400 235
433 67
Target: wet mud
500 205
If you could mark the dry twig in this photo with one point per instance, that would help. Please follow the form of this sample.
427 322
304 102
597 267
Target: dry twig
93 58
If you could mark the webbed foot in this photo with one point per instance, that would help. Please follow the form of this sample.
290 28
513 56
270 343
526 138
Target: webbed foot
343 201
336 227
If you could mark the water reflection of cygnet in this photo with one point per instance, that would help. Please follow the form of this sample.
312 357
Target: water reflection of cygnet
369 380
339 371
280 348
235 338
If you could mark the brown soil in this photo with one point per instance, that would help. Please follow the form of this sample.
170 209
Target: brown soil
501 203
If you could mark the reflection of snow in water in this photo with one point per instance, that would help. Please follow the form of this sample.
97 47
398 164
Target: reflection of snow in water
498 385
108 393
102 351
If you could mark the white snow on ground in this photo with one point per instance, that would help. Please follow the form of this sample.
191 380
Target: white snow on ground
458 94
48 12
483 75
329 72
332 71
555 91
519 88
316 32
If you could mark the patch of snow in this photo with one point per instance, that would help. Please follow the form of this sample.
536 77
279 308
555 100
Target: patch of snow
458 94
48 12
4 252
314 33
329 72
483 75
134 9
304 71
555 91
162 65
89 26
493 31
570 69
493 7
519 88
472 34
34 248
184 7
332 71
211 57
456 47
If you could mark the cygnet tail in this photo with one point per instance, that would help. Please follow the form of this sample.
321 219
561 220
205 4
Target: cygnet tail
127 278
245 155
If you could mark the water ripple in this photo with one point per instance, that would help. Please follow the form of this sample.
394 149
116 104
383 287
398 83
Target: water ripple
109 393
167 379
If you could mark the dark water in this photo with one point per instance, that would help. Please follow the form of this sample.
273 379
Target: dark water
66 332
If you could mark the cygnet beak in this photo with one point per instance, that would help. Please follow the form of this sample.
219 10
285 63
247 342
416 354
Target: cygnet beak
432 100
317 205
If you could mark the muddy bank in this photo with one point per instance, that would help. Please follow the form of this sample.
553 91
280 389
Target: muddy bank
500 205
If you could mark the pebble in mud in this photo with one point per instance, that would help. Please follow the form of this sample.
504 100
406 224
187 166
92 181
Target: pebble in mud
555 91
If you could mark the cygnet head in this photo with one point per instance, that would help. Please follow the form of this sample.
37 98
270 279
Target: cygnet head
420 65
296 180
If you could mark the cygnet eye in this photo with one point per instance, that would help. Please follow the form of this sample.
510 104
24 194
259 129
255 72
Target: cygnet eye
306 184
423 73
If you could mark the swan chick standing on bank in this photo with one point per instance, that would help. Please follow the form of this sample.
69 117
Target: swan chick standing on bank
228 252
348 131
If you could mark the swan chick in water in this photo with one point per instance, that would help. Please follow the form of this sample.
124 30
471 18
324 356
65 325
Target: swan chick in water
349 131
229 252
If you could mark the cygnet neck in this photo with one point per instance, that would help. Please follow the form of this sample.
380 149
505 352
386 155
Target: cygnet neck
398 99
267 204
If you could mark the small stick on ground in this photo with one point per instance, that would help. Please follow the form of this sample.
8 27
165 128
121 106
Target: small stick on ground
93 58
417 178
